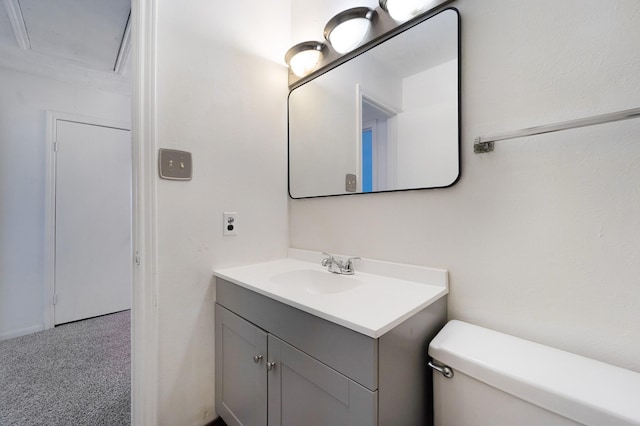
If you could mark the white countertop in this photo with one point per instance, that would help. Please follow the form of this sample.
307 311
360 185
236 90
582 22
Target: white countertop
378 297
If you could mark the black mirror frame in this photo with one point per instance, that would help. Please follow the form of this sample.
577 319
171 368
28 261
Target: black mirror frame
359 51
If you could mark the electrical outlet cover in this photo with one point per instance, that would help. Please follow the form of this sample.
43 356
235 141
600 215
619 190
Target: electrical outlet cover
229 223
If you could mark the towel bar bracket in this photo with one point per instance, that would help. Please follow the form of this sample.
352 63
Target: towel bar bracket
480 147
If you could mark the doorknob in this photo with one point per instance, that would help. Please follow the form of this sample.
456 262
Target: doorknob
271 366
257 358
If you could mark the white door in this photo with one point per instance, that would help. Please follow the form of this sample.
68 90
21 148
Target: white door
93 271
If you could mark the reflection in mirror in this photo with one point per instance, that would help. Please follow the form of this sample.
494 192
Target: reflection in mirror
385 120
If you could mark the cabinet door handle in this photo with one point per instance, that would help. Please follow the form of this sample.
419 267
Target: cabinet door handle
257 358
271 366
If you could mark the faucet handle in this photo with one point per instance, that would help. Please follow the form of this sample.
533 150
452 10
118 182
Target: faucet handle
348 264
327 260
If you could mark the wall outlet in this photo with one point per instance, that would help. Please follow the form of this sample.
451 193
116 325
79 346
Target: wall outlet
229 223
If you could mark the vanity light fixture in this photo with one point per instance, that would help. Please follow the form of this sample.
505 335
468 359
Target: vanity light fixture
351 29
403 10
348 29
304 57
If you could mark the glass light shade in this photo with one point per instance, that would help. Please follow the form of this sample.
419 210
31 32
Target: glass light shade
349 35
348 29
403 10
304 62
304 57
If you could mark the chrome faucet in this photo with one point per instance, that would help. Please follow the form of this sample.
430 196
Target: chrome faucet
338 266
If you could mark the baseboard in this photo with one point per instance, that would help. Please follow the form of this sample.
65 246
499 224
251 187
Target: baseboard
22 332
217 422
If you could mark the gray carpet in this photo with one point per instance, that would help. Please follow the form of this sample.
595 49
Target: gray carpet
73 374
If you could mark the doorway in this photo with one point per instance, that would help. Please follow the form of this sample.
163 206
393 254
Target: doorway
377 143
61 56
89 218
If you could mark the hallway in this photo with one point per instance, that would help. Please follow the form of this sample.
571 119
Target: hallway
74 374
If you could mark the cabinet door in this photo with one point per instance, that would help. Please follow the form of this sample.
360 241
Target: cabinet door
303 391
241 376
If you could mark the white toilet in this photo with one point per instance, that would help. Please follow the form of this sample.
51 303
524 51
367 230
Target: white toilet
501 380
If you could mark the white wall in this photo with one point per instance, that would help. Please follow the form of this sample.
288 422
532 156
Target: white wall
222 88
428 128
541 237
24 100
324 130
324 125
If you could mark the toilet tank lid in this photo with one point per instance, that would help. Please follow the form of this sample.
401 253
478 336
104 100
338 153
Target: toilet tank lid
582 389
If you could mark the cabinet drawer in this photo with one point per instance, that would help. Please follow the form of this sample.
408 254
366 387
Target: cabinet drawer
350 353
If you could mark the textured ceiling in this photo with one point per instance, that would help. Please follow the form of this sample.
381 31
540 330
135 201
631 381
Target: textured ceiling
87 33
6 34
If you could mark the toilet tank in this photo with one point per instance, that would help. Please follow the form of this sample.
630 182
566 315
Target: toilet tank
504 380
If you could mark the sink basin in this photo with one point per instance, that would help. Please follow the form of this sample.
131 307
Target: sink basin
316 282
377 298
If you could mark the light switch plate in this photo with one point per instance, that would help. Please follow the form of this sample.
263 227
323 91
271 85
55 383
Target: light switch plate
174 165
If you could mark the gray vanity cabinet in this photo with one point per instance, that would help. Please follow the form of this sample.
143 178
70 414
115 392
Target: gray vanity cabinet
277 365
261 380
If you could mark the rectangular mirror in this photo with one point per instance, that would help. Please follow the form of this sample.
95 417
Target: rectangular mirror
385 120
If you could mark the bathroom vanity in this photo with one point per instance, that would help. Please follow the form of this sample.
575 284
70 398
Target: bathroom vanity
296 344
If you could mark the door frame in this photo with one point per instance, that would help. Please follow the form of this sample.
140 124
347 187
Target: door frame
50 196
144 313
144 310
363 94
